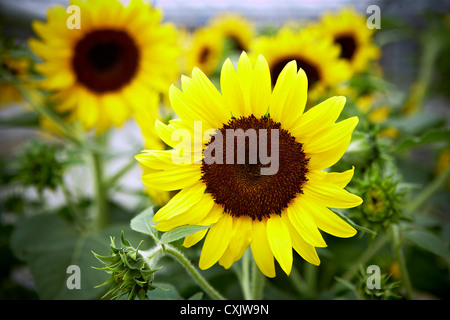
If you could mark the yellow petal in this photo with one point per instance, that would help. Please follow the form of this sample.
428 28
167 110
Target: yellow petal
283 88
213 216
304 223
261 87
289 96
323 160
303 248
241 237
280 242
328 221
193 239
341 179
156 159
244 75
190 217
231 90
226 260
176 178
330 195
261 249
216 242
210 97
181 202
328 138
165 133
319 117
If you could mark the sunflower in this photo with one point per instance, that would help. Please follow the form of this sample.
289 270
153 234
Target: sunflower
235 28
316 55
271 213
349 30
118 59
204 50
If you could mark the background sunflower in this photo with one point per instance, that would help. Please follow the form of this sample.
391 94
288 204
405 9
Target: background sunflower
118 59
316 55
349 31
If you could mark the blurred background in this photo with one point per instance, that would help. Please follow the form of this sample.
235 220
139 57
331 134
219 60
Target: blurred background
407 29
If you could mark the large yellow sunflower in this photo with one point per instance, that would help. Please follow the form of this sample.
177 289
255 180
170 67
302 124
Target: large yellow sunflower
349 30
316 55
271 212
118 58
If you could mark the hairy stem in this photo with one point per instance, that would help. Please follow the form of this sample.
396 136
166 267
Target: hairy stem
201 281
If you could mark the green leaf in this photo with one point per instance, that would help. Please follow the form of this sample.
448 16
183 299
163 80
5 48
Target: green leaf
196 296
166 292
49 245
143 223
437 135
181 232
428 241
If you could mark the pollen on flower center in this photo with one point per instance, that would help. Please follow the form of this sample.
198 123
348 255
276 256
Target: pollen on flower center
105 60
241 188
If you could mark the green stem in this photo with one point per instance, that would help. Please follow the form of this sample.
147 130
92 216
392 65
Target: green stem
298 282
431 47
366 256
110 182
41 109
401 261
100 219
258 280
311 279
245 278
429 190
202 282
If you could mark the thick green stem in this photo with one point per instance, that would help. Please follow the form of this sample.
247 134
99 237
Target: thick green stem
100 218
258 280
202 282
245 276
401 261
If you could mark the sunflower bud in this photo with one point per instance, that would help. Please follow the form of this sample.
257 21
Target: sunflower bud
39 165
382 200
130 272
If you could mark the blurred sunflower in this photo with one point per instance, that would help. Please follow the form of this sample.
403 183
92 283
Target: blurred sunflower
204 50
270 213
317 56
16 69
119 58
234 28
349 30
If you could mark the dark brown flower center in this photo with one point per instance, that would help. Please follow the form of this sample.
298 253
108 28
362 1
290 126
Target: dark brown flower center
311 70
241 188
348 46
105 60
204 55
